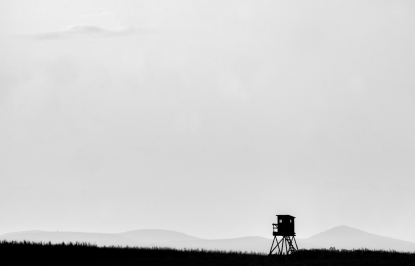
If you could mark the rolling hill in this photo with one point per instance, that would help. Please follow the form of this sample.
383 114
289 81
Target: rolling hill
344 237
99 239
341 237
157 235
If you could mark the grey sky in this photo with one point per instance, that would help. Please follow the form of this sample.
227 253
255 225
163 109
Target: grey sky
207 117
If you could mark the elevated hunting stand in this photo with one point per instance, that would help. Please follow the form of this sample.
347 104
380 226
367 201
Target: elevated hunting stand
284 228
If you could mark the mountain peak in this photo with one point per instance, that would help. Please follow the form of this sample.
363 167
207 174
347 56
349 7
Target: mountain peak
351 238
341 231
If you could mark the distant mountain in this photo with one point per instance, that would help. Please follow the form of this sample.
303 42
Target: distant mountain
23 233
59 237
157 235
344 237
151 238
249 244
339 237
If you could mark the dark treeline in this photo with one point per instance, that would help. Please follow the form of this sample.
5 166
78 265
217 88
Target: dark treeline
27 253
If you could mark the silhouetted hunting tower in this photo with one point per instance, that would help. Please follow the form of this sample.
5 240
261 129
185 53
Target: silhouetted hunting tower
284 228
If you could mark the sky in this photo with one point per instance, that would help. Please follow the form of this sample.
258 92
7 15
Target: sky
207 117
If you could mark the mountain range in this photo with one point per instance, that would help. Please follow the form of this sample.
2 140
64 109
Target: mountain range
340 237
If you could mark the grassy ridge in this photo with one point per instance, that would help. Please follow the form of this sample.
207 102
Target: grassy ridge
26 253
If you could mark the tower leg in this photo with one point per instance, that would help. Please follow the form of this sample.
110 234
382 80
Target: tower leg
287 246
272 246
296 247
275 244
291 247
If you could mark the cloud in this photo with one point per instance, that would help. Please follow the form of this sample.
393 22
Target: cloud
86 31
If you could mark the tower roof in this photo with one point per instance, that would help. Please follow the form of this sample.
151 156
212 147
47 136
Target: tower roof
285 215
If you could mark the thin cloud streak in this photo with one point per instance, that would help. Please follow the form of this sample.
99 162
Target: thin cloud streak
89 32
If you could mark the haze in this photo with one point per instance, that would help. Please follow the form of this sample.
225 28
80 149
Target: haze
207 117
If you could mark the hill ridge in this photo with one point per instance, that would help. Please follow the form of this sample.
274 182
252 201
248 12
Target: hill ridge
340 237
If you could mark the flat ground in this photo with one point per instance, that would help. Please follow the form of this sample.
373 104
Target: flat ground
85 254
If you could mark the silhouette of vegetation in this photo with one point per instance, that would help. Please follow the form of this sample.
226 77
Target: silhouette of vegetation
29 253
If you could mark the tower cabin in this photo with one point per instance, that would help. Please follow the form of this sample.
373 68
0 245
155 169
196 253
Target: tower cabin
284 226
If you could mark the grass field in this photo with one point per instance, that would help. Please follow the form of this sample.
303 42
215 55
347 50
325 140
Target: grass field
25 253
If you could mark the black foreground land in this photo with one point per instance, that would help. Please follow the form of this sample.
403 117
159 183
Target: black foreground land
26 253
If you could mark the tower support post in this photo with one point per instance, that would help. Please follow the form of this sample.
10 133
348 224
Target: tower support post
277 246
